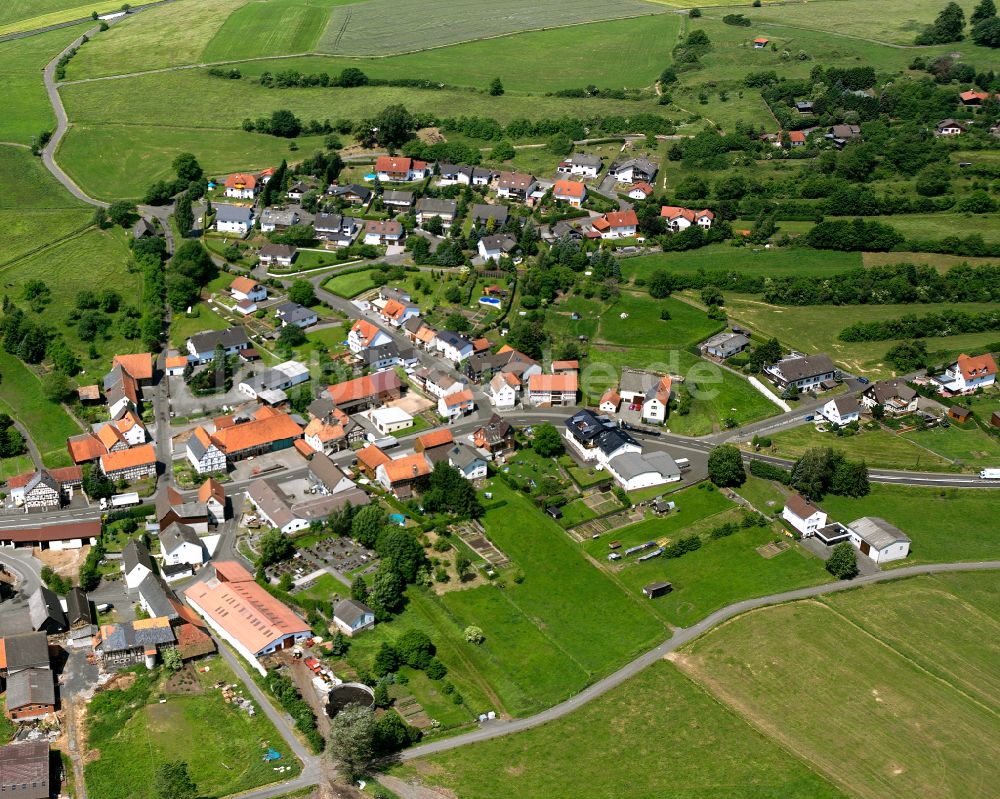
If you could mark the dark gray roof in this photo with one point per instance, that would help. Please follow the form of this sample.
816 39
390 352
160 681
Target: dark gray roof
209 339
884 390
398 197
453 339
292 312
807 366
123 637
503 242
644 165
413 324
176 534
45 610
614 439
278 217
633 464
27 650
135 554
482 213
143 228
321 408
78 607
846 405
24 770
350 188
157 596
496 429
233 213
350 611
277 251
432 205
727 342
382 352
463 456
585 159
325 471
30 687
332 222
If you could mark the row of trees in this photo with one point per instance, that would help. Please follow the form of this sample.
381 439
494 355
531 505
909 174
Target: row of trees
949 26
911 326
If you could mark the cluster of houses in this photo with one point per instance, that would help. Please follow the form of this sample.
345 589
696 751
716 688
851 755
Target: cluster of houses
874 537
645 394
119 446
599 440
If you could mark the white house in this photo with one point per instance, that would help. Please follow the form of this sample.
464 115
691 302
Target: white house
246 288
179 543
678 218
364 334
441 384
352 617
503 390
804 372
842 410
515 185
879 540
646 392
492 248
203 454
241 186
572 192
969 373
633 170
291 313
454 347
451 406
383 232
273 219
640 191
393 169
276 255
895 397
615 225
610 401
546 391
950 127
597 438
468 461
582 164
429 207
390 419
634 470
136 563
803 515
236 219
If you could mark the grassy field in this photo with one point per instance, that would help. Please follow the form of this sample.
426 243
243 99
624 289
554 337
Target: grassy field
971 448
351 285
361 30
539 61
21 15
687 325
166 36
48 424
24 232
895 727
268 28
203 318
815 328
762 494
945 524
878 448
27 110
678 740
744 261
120 161
132 742
543 635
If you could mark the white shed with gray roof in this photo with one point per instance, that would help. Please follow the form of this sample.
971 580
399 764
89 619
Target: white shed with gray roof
878 539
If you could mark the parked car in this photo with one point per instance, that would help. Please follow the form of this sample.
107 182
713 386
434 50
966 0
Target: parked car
864 381
809 418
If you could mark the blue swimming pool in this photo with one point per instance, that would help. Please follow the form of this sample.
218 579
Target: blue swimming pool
493 302
398 518
371 176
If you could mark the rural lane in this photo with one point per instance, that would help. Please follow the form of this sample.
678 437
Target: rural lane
682 636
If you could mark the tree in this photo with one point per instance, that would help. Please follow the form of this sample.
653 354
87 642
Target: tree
386 592
392 734
285 124
811 473
183 215
57 387
547 441
172 781
340 643
359 589
386 660
725 466
275 547
456 321
987 33
502 151
381 696
474 635
96 484
302 292
367 524
120 212
527 334
292 336
415 648
351 740
660 284
172 659
394 125
947 27
850 479
401 552
496 87
986 9
843 561
560 144
187 168
933 181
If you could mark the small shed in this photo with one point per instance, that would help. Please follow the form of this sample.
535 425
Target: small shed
554 512
959 414
653 590
995 419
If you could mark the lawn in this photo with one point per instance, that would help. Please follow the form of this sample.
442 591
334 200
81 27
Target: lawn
970 448
762 494
946 524
658 735
182 326
743 261
350 285
94 258
642 325
361 30
258 29
19 464
49 424
120 161
23 232
34 15
134 734
873 714
27 110
815 328
539 61
878 448
544 633
7 727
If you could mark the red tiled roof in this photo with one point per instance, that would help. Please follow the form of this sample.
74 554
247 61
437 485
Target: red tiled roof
976 367
393 309
546 383
53 532
128 458
212 488
139 365
644 187
406 468
173 361
568 188
241 180
243 284
435 438
85 447
622 218
560 366
361 387
797 136
372 457
458 398
303 448
265 429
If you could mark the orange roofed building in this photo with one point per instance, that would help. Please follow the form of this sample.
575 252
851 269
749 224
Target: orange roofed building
550 390
241 186
130 464
393 169
246 616
269 431
400 474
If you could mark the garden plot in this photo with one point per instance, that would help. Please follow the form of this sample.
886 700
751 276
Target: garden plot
473 534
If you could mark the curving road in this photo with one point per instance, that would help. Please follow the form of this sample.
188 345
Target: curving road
684 635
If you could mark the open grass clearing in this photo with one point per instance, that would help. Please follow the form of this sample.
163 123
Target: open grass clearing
878 448
120 161
762 494
939 261
26 185
815 328
677 738
27 110
889 729
202 318
9 467
134 734
946 524
417 25
23 232
20 15
276 27
744 261
555 615
642 325
538 61
351 285
969 447
167 36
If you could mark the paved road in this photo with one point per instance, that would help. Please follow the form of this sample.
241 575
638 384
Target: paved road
682 636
